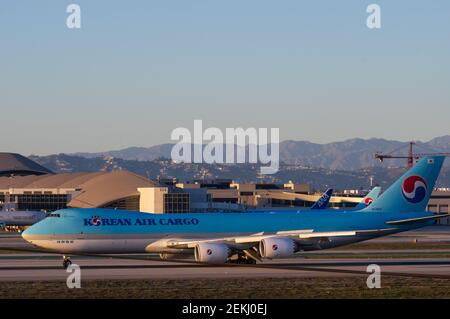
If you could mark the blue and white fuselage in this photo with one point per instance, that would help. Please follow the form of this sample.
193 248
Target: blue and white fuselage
216 237
115 231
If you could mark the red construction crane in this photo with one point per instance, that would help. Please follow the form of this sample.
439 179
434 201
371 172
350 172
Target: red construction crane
410 157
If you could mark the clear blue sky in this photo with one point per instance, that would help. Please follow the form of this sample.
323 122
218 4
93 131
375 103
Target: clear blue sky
138 69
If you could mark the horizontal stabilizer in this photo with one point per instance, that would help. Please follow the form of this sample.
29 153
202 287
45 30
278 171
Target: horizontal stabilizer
415 220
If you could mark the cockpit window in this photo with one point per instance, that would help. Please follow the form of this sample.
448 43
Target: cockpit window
54 215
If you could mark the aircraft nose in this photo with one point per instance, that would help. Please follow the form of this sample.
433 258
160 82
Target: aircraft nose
27 234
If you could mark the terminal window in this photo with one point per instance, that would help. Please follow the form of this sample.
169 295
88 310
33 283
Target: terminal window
40 202
176 203
127 203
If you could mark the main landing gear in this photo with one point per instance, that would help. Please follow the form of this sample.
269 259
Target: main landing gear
242 259
66 262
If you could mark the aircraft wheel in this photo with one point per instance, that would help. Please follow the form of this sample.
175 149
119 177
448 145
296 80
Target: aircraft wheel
246 261
251 261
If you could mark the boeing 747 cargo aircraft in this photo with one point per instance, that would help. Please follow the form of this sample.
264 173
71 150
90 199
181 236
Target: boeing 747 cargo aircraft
240 237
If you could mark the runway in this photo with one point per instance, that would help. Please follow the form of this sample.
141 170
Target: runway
27 266
36 268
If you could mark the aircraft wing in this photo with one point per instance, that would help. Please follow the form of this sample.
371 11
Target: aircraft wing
296 235
176 243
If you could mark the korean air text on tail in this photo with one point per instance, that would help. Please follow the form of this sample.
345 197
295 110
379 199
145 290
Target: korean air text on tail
412 191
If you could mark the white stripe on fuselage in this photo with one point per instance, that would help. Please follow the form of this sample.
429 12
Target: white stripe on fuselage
153 245
118 243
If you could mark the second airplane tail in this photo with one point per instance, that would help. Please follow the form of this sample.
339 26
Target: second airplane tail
374 193
323 201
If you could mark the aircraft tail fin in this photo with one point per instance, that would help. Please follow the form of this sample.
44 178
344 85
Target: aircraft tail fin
411 192
373 194
323 201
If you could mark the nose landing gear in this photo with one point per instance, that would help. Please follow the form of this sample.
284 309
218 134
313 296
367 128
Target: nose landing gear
66 262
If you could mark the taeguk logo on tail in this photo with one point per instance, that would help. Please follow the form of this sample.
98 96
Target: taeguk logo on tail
414 189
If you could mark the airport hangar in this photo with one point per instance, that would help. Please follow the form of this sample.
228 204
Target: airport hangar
34 187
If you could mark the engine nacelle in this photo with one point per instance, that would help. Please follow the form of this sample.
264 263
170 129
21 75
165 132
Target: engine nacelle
273 248
211 253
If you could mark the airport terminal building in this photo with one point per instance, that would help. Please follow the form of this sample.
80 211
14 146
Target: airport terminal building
33 187
12 164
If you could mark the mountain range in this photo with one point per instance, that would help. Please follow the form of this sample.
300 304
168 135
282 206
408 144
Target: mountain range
342 165
350 155
157 169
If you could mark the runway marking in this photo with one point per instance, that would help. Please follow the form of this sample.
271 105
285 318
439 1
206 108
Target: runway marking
361 272
292 267
101 267
194 264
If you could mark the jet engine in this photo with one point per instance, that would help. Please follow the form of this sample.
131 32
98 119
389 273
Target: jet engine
211 253
273 248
